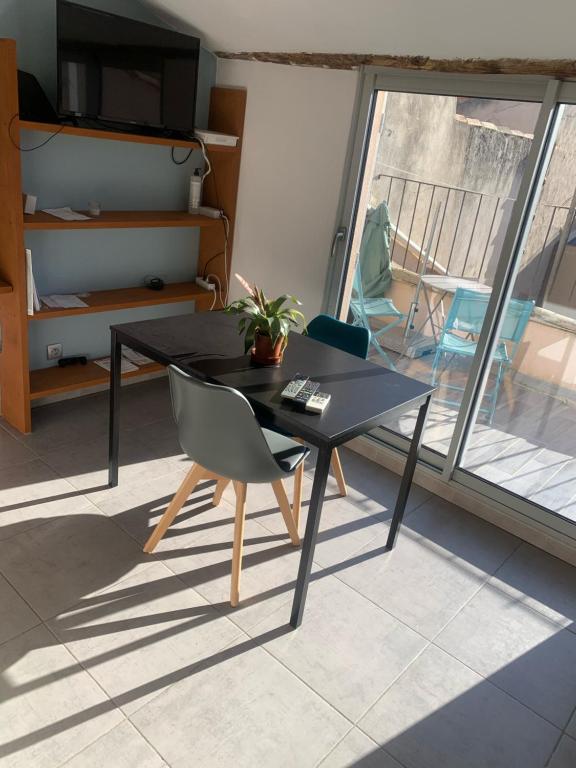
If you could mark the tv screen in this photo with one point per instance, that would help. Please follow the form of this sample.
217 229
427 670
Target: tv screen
116 70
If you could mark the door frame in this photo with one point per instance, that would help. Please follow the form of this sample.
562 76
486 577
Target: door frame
551 94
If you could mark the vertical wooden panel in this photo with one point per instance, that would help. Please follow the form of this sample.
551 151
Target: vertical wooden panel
227 111
14 377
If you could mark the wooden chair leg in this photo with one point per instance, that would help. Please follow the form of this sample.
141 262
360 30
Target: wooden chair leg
190 481
297 499
284 505
240 489
221 485
338 474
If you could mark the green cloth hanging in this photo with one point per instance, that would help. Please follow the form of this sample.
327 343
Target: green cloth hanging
374 257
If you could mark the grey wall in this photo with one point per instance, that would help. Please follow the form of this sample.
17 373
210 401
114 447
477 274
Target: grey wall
72 171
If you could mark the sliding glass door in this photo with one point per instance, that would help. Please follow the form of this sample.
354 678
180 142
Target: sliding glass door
440 179
457 249
524 438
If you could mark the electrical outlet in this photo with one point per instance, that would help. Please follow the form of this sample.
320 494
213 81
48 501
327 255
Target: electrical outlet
54 351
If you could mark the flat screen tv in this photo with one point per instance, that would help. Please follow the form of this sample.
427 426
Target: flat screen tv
125 74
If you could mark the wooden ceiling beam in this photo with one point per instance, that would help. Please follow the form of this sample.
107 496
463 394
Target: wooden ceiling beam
560 68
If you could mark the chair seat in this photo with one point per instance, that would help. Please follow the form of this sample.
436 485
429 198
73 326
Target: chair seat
459 346
287 452
376 307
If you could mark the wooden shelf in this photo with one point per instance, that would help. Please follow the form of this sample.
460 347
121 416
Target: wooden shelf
127 298
96 133
53 381
5 287
121 220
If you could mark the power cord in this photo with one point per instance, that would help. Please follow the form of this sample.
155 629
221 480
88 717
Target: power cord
29 149
224 219
180 162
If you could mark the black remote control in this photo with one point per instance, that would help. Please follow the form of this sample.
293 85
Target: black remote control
306 392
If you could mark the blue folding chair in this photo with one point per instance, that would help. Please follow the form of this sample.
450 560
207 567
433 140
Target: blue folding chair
462 327
363 309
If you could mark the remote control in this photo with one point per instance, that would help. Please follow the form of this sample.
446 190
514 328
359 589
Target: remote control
309 388
318 402
292 389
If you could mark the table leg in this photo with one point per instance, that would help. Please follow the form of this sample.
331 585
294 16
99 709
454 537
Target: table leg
406 482
316 500
113 424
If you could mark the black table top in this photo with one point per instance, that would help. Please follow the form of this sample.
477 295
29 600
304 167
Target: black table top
208 345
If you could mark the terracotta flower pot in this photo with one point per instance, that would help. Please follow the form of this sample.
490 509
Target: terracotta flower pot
264 352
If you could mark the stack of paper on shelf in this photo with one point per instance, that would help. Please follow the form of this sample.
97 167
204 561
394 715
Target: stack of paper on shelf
125 367
63 301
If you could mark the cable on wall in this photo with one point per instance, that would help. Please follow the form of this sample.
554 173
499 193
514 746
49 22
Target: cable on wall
29 149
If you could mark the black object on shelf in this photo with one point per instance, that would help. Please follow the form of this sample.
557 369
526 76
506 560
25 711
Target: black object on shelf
74 360
154 283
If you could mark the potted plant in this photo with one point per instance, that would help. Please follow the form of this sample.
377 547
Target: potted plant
265 323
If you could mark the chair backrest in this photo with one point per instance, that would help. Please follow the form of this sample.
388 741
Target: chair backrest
349 338
468 310
217 428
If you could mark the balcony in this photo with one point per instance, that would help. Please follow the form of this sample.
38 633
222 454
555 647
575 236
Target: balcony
528 447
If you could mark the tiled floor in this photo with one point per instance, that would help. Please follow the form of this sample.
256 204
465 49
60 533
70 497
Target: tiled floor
457 650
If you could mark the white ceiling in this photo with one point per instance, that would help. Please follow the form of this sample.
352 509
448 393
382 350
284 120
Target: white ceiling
438 28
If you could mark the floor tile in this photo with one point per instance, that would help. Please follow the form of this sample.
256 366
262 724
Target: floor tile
57 564
198 547
86 467
13 451
347 649
440 714
543 582
565 754
15 614
31 494
140 636
519 650
425 581
137 507
244 709
68 422
122 747
371 487
356 750
344 526
50 709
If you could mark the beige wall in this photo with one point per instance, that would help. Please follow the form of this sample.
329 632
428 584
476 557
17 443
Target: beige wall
296 134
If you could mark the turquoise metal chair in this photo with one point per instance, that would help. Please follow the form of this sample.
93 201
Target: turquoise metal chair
462 328
364 309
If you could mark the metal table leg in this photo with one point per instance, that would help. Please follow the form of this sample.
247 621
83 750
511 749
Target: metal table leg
316 501
406 482
114 426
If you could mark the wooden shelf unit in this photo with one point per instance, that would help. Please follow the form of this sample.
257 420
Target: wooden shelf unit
134 138
128 298
46 382
18 385
120 220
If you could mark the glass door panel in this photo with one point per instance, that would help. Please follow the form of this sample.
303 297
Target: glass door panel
524 437
440 177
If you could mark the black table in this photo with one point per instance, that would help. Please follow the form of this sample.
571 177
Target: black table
207 345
